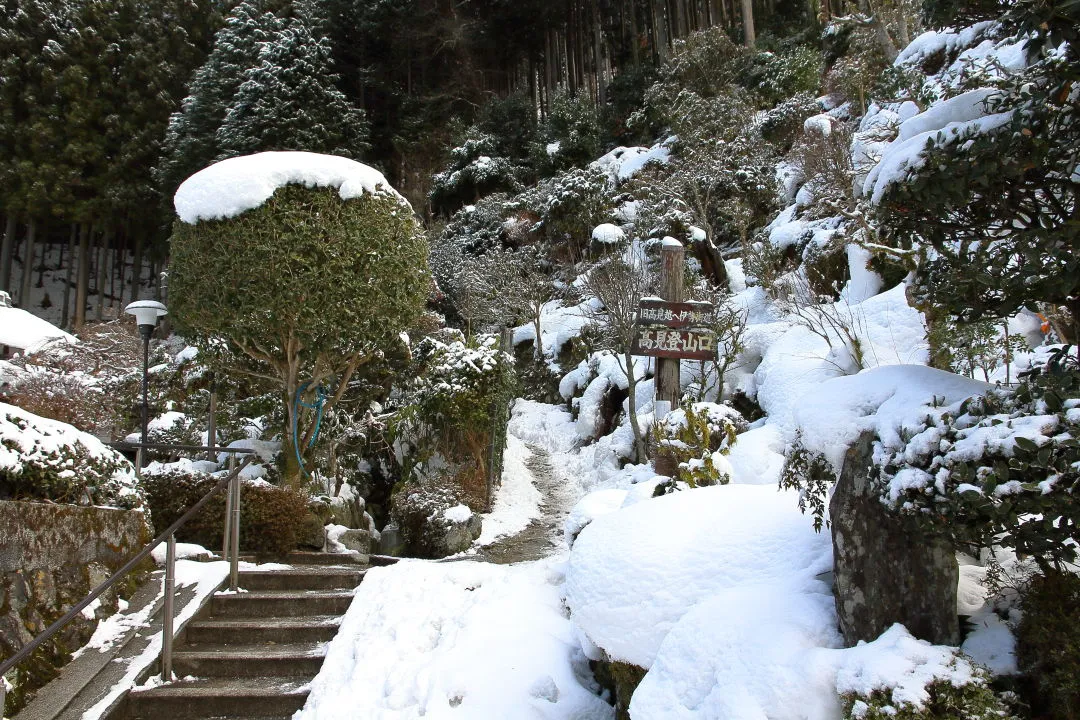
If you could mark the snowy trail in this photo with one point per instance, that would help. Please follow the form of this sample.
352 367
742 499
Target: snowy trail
543 536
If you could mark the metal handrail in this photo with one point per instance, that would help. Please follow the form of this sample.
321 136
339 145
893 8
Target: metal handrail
232 478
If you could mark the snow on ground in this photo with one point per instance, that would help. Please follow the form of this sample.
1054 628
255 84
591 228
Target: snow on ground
746 652
517 502
558 324
456 640
228 188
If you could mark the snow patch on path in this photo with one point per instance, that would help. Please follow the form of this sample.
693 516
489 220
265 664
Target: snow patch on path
461 640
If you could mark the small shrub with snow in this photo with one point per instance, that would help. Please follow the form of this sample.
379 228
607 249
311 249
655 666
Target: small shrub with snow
945 701
897 677
476 169
575 202
271 517
698 435
420 512
453 408
42 459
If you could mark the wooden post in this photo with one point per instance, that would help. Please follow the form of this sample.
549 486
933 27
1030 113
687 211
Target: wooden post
668 391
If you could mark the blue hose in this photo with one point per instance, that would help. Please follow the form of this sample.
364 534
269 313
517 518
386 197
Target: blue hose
318 405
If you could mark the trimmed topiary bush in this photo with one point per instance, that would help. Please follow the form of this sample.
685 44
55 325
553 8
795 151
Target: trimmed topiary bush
270 517
306 289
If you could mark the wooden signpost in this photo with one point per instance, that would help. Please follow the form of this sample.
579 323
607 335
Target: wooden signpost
671 329
674 330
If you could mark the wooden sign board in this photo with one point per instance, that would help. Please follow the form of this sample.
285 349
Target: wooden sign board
676 344
674 315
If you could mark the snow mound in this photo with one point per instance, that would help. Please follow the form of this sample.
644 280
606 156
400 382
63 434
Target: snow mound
19 329
885 400
461 640
635 572
608 234
230 187
746 654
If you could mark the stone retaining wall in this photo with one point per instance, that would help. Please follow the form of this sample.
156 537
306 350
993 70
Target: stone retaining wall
51 557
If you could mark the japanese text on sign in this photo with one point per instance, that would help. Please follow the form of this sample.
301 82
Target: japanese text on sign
683 344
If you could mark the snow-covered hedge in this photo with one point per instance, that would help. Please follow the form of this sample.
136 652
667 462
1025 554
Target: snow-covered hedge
42 459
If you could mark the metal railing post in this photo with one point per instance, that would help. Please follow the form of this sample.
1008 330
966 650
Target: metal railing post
138 464
167 621
226 537
234 557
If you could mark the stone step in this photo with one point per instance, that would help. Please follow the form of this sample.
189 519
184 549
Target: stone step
280 603
242 661
236 698
307 578
318 628
300 557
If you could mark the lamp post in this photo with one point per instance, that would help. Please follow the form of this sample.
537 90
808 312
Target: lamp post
146 314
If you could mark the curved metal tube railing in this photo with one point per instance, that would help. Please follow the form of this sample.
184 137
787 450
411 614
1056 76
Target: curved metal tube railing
232 547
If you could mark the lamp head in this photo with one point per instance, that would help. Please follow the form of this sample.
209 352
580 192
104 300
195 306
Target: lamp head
146 314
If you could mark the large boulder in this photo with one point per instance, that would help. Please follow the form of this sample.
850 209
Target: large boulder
360 541
886 572
312 534
390 541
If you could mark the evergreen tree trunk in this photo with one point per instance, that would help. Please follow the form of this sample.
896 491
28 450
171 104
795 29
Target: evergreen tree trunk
28 265
65 314
83 282
659 39
601 95
748 23
635 50
6 251
44 233
136 267
99 283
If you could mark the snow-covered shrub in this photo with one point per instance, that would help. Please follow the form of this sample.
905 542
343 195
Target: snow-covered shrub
270 517
452 410
420 513
1048 644
571 134
42 459
778 76
575 202
998 469
965 693
698 435
857 70
783 124
475 170
823 153
478 227
93 385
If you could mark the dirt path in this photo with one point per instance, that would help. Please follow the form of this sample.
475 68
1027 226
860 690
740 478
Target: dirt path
544 535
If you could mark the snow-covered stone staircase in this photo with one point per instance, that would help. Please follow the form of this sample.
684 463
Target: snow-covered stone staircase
253 654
